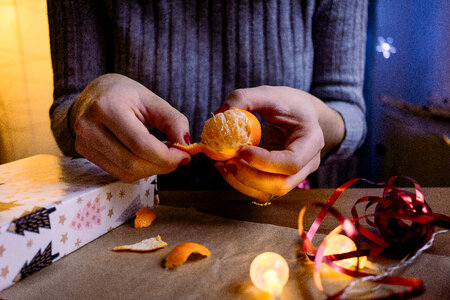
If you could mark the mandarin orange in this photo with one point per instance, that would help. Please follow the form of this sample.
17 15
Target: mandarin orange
225 134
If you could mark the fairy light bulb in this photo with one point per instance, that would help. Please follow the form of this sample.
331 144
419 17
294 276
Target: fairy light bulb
269 272
338 244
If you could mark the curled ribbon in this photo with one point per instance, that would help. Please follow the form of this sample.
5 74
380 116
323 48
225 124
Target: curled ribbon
390 231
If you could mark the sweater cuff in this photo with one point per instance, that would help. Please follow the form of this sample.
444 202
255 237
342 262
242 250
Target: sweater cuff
355 130
60 124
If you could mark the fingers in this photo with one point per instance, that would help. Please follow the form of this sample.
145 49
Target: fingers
239 173
130 161
112 128
167 119
299 140
231 179
105 163
134 135
263 100
111 155
296 156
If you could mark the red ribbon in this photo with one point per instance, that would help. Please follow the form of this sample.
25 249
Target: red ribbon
389 231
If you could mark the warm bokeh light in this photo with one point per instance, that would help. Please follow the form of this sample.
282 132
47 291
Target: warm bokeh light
338 244
26 83
269 272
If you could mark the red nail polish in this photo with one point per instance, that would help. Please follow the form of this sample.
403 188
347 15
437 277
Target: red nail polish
184 162
223 108
187 138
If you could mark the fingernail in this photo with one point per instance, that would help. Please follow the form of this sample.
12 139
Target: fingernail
184 162
231 168
223 108
187 138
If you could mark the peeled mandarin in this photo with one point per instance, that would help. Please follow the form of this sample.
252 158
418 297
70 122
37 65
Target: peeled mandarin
225 134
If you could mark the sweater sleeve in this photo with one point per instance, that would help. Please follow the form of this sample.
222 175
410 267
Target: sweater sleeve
78 43
339 37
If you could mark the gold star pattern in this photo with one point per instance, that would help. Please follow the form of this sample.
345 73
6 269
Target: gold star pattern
78 243
4 272
64 238
110 213
62 219
29 243
108 196
110 228
79 200
122 194
2 249
147 193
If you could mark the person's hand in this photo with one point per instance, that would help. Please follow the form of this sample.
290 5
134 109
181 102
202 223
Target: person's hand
111 120
299 129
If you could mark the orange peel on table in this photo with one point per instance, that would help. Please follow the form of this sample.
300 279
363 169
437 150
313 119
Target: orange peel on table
179 255
225 134
146 245
144 217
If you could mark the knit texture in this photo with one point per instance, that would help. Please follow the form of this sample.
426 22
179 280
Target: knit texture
194 53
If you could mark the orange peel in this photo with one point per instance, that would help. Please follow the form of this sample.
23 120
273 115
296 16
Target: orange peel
144 217
146 245
225 134
179 255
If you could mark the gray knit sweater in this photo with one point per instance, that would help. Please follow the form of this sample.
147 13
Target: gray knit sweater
194 53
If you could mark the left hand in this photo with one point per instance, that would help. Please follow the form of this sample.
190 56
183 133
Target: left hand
293 138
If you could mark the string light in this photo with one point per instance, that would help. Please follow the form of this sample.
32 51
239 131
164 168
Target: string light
338 244
385 46
269 272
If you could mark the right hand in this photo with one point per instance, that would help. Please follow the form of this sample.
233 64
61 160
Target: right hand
111 120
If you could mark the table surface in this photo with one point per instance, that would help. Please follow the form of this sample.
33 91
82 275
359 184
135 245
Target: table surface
235 231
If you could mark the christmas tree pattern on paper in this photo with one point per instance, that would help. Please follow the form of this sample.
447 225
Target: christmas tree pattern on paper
130 210
156 194
88 216
32 222
39 261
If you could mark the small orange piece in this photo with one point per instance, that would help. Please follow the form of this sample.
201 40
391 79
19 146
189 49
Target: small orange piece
144 217
178 255
225 134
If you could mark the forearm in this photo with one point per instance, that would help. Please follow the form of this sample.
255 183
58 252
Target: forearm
339 50
332 126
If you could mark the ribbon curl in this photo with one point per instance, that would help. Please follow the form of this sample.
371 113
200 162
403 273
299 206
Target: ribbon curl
402 222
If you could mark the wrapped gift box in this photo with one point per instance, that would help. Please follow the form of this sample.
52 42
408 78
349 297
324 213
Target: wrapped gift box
51 206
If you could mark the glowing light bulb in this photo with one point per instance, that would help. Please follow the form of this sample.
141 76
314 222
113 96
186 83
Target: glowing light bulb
269 272
338 244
